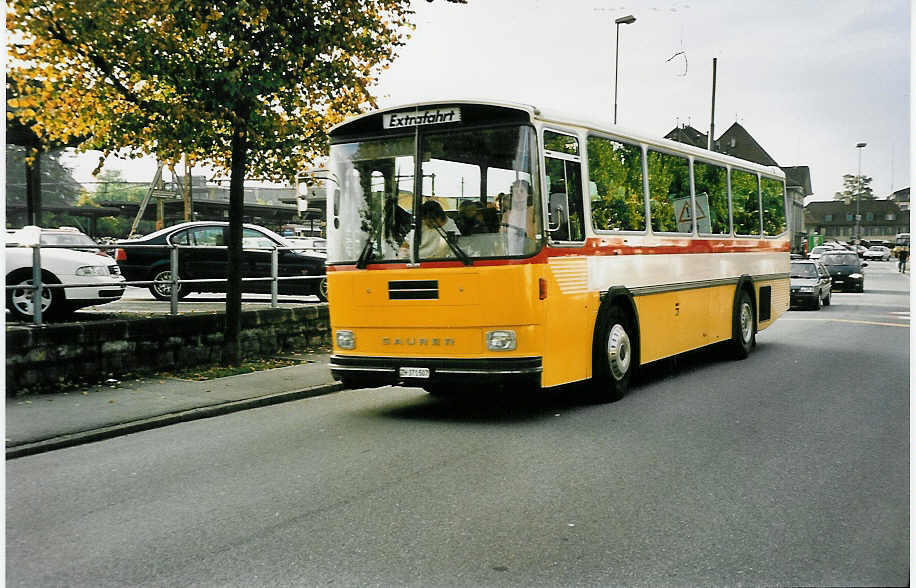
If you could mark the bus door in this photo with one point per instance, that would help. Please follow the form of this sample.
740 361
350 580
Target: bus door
569 319
566 221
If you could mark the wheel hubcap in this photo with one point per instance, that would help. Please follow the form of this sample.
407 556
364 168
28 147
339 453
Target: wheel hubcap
24 299
163 289
323 286
618 352
747 322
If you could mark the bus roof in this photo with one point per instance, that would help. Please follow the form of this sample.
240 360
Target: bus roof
550 116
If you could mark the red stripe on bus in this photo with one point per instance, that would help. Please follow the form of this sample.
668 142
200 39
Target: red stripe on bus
606 247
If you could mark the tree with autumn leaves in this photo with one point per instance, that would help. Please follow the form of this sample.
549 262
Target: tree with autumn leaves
246 86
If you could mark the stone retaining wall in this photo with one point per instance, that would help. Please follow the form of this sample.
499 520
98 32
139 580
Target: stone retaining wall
42 359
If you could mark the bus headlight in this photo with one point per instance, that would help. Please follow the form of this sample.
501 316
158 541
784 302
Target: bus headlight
346 340
501 340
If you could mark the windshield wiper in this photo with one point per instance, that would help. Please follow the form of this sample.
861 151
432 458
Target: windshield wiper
367 253
453 244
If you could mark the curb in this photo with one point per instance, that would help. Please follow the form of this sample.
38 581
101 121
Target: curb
193 414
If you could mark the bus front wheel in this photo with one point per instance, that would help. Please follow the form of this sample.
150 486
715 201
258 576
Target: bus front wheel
614 355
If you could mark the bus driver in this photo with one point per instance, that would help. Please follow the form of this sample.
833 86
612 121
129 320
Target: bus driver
436 225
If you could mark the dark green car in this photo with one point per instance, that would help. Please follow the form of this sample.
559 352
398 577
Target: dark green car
847 271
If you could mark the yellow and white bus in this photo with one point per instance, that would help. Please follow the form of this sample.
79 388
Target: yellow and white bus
550 250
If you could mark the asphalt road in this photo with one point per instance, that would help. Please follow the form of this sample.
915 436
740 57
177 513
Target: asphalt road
788 468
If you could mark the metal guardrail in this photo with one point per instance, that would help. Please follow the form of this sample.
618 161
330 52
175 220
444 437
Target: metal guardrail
38 285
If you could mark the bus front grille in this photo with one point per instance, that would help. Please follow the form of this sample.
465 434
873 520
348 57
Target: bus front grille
413 290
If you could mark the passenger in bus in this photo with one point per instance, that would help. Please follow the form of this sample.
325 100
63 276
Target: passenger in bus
436 227
471 218
518 220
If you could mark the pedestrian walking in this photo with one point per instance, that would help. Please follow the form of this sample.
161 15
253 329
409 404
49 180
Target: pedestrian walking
901 260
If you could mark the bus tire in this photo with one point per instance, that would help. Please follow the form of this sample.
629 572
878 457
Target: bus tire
744 327
614 356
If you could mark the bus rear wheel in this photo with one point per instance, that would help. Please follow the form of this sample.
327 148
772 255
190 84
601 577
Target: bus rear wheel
744 326
613 356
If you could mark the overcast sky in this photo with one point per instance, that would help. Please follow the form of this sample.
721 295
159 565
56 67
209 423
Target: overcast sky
807 79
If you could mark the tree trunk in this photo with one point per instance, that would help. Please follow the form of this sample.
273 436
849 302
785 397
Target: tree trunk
231 344
33 189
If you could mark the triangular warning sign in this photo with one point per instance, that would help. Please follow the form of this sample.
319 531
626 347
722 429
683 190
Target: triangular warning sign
684 216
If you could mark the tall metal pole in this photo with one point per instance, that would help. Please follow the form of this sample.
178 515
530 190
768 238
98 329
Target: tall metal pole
712 115
856 238
616 61
628 19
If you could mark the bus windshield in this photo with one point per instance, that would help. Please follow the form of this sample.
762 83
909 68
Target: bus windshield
478 197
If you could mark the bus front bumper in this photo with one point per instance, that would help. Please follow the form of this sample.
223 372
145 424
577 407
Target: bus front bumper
406 371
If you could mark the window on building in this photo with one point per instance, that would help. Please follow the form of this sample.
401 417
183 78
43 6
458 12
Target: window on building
849 216
890 216
869 216
828 218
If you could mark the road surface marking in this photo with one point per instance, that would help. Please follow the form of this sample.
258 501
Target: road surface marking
849 321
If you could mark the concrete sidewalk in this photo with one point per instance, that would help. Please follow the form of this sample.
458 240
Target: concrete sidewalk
43 422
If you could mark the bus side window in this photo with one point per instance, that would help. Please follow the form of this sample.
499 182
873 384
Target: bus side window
565 220
711 194
615 171
745 202
773 198
669 193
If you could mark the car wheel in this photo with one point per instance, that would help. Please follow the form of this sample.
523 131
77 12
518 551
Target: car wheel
818 302
860 288
614 355
20 300
743 326
827 299
163 291
322 290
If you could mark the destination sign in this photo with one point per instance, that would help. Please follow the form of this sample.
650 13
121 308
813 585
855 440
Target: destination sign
416 118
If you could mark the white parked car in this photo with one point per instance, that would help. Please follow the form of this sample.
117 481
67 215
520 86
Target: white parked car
877 252
816 252
100 274
309 244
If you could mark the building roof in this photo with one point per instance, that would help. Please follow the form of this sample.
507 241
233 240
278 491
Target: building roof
799 176
816 211
737 142
689 135
901 195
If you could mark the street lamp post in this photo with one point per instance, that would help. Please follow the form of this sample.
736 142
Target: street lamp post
628 19
857 238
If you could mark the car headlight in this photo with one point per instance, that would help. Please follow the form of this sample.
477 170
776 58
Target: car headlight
501 340
92 270
346 339
855 276
806 289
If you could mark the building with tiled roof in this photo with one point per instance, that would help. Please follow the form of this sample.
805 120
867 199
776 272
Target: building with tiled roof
881 220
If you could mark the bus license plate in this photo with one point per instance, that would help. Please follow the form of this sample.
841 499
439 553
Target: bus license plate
413 372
